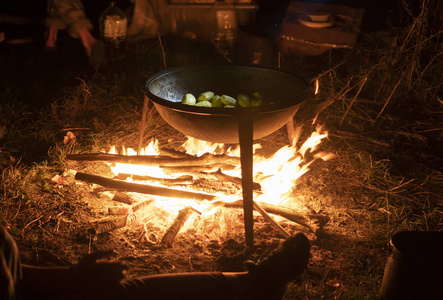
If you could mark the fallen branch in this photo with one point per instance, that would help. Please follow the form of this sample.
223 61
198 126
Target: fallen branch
142 188
174 153
167 181
222 176
123 198
166 192
156 160
126 210
200 168
173 230
108 224
274 223
272 209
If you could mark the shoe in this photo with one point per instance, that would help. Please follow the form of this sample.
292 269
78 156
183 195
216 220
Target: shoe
284 264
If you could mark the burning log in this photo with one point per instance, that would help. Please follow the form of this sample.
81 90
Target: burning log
167 192
202 168
180 179
272 209
108 224
119 210
126 210
265 215
237 180
156 160
174 153
141 188
173 230
123 198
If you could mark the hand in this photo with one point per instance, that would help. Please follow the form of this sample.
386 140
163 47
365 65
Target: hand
92 269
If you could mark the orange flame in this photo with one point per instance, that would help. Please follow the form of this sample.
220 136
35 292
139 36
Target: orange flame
277 175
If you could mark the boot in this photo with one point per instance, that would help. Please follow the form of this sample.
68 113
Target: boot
284 264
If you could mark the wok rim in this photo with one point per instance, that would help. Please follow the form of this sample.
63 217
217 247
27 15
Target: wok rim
212 111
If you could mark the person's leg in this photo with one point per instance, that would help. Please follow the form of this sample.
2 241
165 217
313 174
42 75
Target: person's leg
285 264
54 22
88 40
51 38
264 281
178 286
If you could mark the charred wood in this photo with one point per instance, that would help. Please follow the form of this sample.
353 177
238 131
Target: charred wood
141 205
174 229
156 160
126 210
202 168
275 210
119 210
108 224
174 153
123 198
168 181
237 180
141 188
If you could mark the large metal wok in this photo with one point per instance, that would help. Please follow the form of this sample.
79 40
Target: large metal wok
282 94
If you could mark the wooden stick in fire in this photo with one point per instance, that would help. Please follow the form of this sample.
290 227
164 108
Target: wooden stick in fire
173 230
142 188
272 209
166 192
270 220
222 176
156 160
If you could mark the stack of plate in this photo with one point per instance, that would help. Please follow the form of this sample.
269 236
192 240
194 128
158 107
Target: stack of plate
316 20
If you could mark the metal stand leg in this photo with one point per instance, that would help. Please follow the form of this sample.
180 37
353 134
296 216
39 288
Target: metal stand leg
245 129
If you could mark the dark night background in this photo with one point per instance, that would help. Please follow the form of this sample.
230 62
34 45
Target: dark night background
377 12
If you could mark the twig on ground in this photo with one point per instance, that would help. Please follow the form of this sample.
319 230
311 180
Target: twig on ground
387 101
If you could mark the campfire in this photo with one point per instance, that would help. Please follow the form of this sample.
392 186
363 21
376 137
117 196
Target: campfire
200 188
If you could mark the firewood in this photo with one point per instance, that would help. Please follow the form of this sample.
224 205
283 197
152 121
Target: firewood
108 224
273 209
173 230
174 153
156 160
126 210
119 210
142 188
199 168
237 180
274 223
123 198
141 205
180 179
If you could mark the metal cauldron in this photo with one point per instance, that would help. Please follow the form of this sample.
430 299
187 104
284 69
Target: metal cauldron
282 94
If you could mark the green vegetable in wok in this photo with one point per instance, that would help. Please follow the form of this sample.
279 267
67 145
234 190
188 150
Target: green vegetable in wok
243 100
256 99
228 100
189 99
204 104
216 102
206 96
210 99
